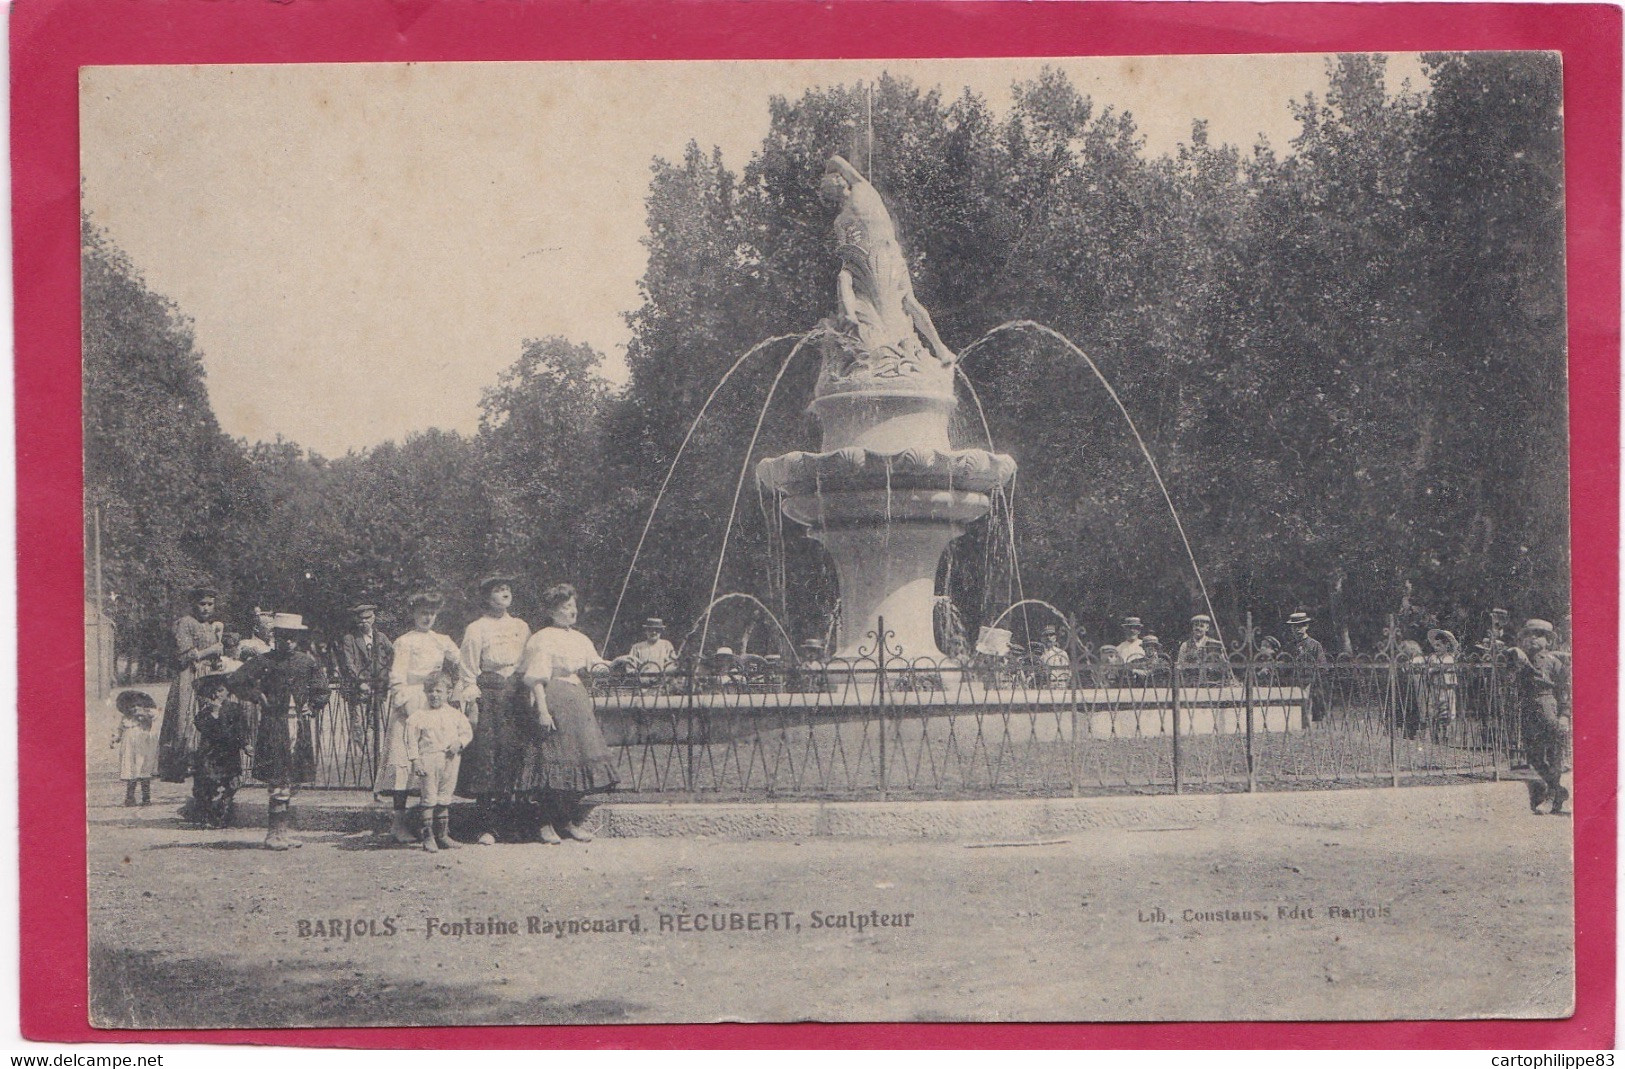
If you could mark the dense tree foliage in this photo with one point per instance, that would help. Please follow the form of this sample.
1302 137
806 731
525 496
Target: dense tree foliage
1346 356
176 497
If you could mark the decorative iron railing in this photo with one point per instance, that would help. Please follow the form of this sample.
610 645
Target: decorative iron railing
1033 723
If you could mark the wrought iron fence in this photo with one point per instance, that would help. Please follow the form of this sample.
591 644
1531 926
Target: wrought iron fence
1032 723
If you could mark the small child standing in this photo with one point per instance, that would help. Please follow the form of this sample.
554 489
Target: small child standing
435 736
218 766
137 744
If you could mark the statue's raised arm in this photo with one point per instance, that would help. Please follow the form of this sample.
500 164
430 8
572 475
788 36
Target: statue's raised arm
875 294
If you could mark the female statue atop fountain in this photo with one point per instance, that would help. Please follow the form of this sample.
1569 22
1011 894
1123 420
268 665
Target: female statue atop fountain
877 302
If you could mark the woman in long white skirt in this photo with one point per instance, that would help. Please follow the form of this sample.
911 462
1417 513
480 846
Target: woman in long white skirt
419 653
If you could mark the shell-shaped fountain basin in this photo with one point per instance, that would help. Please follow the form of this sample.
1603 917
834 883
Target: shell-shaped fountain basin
855 468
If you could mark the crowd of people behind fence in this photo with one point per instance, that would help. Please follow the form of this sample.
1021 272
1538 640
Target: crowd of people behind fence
506 716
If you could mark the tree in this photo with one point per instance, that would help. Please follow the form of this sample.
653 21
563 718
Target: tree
542 461
176 496
1490 193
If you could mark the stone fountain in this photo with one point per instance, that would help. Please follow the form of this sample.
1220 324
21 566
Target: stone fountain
887 492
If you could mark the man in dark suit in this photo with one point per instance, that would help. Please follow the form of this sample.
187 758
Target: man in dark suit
364 657
1309 662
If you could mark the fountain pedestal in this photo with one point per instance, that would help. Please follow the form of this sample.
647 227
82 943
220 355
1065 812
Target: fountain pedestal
886 549
885 496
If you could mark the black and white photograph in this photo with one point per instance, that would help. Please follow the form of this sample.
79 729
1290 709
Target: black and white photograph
972 540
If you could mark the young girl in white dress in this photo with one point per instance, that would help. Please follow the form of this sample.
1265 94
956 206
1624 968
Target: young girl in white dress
136 741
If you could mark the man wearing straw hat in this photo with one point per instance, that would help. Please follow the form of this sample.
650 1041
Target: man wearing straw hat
1299 645
654 653
1541 691
290 688
1132 648
1308 657
1201 658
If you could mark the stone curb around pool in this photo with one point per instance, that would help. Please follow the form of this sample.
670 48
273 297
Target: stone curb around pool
1025 819
1012 820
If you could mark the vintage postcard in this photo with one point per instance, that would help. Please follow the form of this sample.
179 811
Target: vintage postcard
955 540
556 550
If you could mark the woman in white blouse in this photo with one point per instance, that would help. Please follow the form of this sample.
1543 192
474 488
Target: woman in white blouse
570 759
419 653
492 648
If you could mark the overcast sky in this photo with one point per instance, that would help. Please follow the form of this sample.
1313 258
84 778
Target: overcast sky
363 248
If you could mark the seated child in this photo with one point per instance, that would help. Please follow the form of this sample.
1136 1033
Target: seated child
435 736
136 740
222 732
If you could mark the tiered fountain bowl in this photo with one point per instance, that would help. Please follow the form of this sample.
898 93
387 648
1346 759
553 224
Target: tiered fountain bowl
887 492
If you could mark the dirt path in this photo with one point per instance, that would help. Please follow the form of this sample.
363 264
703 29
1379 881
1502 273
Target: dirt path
1460 917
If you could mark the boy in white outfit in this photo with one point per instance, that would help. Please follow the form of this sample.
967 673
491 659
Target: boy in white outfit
435 736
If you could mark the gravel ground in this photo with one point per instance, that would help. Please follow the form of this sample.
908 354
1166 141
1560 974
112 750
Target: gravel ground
198 929
1451 917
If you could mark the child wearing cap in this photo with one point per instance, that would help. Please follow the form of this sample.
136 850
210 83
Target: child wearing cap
137 744
1545 704
435 736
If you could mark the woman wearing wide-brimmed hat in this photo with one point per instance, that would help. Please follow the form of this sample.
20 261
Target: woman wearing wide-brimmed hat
419 654
569 759
491 650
